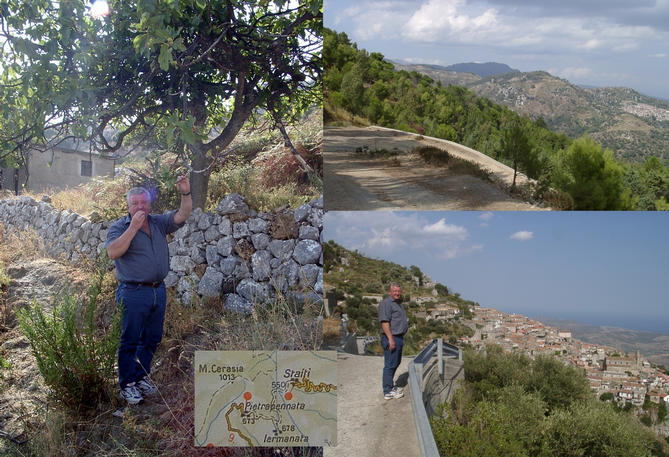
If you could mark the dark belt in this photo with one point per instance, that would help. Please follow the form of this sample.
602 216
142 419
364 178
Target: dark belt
147 284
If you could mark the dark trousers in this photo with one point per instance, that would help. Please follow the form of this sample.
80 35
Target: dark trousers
391 360
141 329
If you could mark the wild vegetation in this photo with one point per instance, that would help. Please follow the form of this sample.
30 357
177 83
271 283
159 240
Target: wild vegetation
511 405
570 173
442 158
355 278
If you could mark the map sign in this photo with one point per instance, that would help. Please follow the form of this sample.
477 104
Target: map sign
265 398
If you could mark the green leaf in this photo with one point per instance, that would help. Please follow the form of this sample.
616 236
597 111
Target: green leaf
165 57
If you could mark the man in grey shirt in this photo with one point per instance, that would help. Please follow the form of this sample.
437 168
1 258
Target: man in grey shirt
138 245
394 324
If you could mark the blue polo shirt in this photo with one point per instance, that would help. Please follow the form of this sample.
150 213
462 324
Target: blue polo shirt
147 258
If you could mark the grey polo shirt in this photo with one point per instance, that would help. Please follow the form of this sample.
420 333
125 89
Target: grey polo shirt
392 311
147 258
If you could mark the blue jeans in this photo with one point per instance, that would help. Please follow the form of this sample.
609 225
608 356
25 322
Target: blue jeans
391 360
141 329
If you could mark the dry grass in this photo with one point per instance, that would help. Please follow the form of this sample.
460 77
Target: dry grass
442 158
331 329
245 179
102 195
26 245
339 117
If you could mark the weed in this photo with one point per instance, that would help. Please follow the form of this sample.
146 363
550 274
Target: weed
558 200
337 116
331 329
464 167
432 155
374 153
246 179
395 162
24 245
442 158
74 358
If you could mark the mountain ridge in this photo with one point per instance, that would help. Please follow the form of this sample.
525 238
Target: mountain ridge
634 125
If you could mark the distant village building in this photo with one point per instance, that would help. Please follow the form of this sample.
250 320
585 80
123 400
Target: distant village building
622 364
67 165
566 334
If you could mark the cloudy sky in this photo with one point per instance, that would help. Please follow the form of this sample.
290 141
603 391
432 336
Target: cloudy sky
606 268
591 42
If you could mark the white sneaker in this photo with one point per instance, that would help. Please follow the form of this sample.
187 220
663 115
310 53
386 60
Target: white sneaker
398 390
131 394
393 394
146 387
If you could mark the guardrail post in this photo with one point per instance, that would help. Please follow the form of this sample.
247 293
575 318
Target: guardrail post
440 357
460 354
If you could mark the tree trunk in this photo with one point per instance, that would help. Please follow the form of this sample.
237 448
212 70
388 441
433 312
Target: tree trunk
199 182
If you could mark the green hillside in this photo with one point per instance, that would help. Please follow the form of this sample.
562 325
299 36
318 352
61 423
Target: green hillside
635 126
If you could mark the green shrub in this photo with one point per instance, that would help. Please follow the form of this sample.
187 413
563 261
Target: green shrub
75 359
606 396
594 429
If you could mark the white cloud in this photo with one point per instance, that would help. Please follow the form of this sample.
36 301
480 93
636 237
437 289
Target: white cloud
659 55
437 18
523 235
574 73
381 232
375 19
476 23
485 217
442 228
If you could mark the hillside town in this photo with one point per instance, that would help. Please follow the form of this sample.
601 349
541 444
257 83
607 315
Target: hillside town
628 377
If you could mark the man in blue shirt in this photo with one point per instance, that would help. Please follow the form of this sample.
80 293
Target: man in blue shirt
138 245
394 324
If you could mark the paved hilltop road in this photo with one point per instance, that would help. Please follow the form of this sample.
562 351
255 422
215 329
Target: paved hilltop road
355 183
367 424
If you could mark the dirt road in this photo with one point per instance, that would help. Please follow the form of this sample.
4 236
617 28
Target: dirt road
359 183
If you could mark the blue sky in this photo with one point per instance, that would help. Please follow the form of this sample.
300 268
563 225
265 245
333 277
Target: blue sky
606 268
592 42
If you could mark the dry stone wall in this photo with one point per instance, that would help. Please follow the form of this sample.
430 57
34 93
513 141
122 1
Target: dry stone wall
236 253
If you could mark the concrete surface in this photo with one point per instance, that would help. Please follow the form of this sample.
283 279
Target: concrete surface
367 424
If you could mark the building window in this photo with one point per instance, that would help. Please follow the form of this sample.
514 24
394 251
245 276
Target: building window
86 168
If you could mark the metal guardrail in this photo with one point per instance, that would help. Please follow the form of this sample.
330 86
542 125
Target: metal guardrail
426 443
